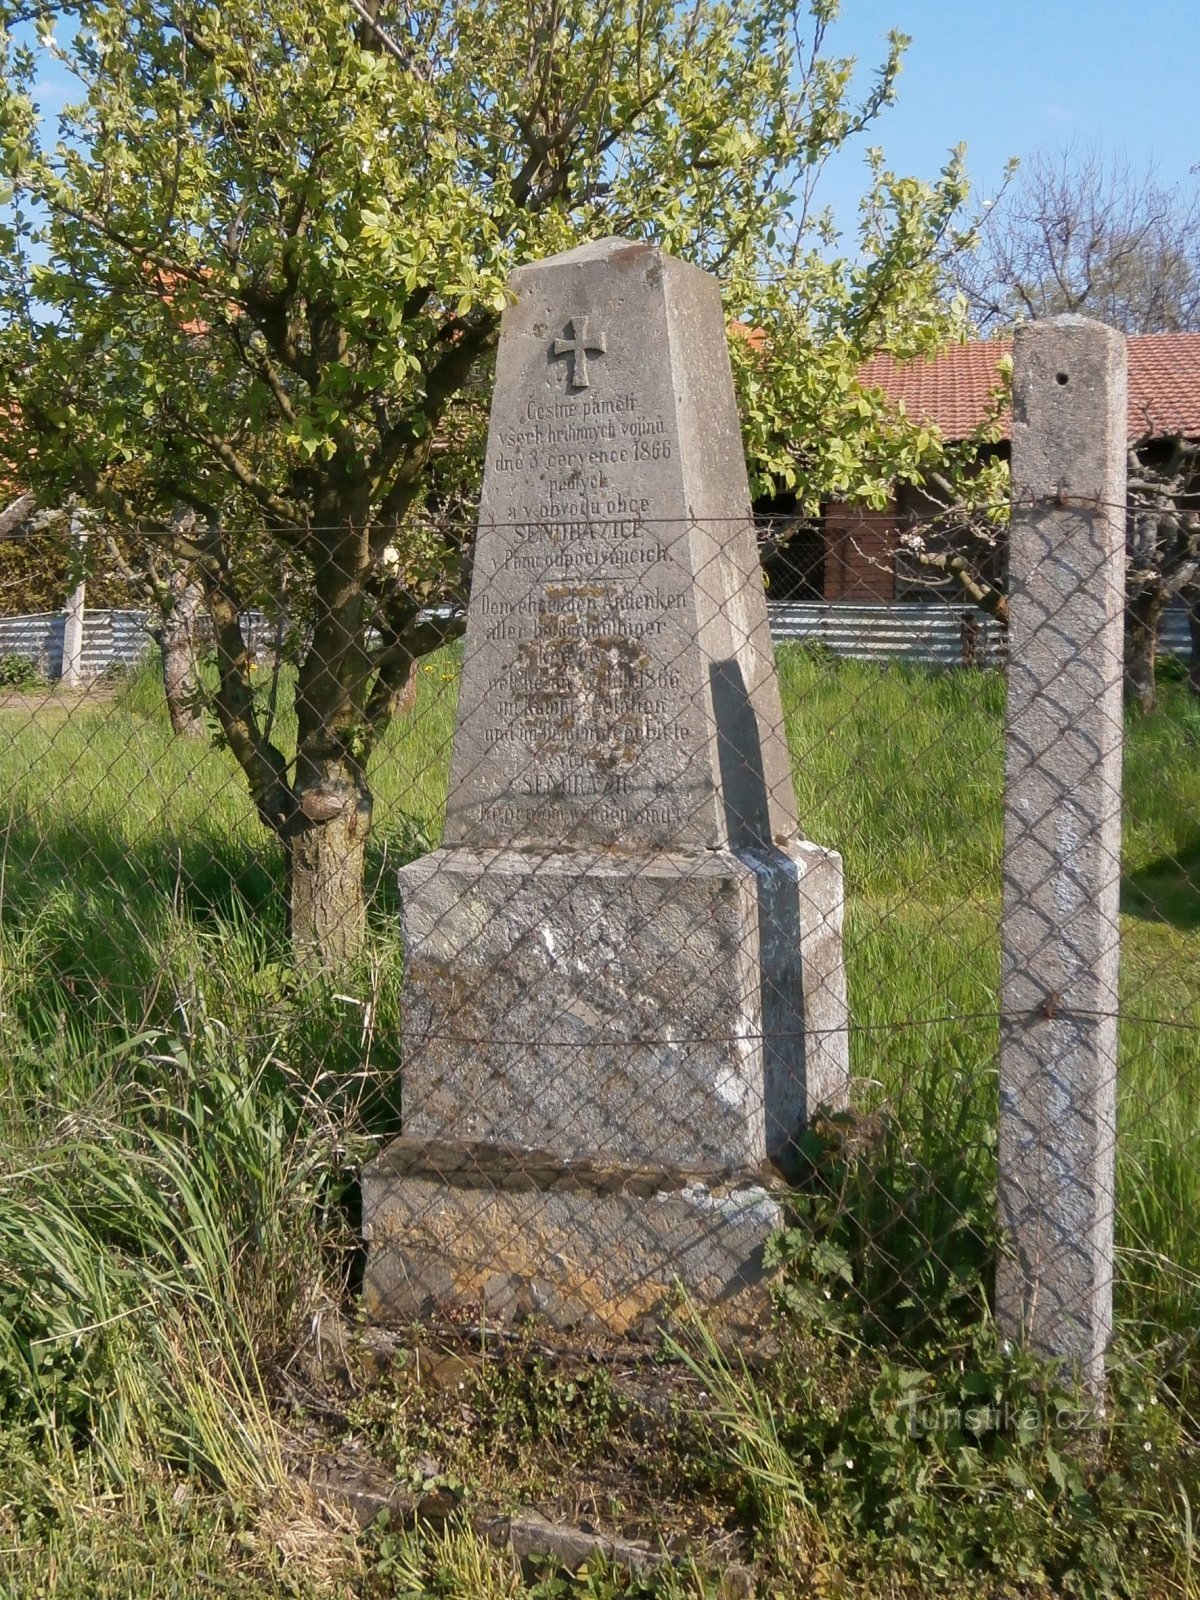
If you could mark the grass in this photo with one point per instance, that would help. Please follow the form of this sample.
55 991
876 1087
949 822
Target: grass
180 1122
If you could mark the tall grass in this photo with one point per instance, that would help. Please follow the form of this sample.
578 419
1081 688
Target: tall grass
165 1240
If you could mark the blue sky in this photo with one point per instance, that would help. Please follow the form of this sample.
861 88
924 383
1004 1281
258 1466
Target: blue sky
1012 78
1005 77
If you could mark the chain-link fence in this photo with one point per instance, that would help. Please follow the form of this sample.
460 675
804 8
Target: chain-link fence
672 948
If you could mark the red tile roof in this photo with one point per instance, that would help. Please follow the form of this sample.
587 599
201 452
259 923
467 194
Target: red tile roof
1164 385
952 390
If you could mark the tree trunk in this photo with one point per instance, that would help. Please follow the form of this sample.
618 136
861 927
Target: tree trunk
176 635
1142 616
1191 597
327 857
408 695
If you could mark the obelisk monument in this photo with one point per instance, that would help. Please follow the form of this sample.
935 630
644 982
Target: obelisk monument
623 991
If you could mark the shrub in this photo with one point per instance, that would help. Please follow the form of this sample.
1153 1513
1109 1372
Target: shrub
18 672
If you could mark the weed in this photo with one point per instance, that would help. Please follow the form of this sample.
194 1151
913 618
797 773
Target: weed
19 672
496 1428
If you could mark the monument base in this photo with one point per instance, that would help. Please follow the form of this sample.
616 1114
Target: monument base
507 1233
671 1007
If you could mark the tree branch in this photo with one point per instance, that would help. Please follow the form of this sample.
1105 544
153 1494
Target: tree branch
244 475
402 450
263 764
395 663
15 513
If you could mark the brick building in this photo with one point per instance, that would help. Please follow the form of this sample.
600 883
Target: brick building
853 554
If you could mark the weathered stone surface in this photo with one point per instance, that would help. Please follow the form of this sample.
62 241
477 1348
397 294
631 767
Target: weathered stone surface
672 1008
1062 839
619 684
574 1253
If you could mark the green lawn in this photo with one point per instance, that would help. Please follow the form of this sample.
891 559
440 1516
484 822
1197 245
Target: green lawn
144 983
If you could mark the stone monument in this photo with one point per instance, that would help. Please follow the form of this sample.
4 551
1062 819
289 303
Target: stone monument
623 989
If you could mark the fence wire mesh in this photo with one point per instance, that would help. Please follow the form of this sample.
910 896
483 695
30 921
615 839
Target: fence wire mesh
557 924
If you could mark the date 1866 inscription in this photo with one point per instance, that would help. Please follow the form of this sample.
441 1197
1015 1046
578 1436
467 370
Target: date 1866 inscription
584 602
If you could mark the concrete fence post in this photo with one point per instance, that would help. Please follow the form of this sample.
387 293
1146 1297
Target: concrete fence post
72 656
1062 841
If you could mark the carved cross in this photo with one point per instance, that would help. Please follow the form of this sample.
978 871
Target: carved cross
579 346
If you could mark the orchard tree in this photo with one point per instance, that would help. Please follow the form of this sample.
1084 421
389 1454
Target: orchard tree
964 527
1085 233
43 558
253 280
1078 231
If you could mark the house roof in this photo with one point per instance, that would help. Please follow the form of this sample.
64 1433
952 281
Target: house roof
1164 385
953 389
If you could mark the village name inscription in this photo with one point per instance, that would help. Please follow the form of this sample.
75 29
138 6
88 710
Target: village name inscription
577 692
623 977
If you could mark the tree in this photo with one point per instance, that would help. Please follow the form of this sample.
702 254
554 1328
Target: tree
1163 544
174 597
963 533
41 561
1080 232
260 273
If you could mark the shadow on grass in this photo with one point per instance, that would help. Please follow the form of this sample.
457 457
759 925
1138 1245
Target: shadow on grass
1166 890
111 940
95 902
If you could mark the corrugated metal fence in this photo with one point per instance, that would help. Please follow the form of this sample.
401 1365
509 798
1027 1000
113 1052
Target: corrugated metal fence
933 634
109 638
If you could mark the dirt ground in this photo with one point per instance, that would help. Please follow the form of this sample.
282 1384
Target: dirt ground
582 1438
57 697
